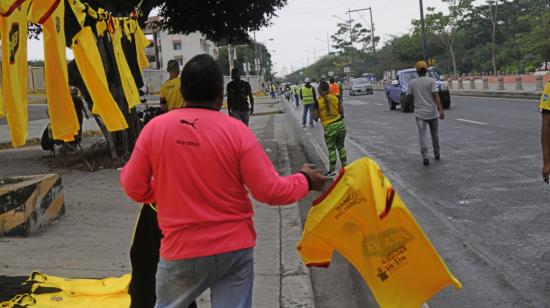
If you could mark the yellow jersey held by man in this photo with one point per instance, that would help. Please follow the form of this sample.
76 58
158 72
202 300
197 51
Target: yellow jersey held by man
362 217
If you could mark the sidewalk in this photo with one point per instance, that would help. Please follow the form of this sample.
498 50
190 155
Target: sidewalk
93 239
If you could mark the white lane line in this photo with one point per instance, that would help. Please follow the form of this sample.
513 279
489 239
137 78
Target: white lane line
378 104
473 122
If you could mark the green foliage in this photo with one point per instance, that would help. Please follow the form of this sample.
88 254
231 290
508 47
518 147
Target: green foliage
521 37
248 54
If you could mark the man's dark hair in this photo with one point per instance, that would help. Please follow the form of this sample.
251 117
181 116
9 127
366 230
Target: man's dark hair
422 72
235 73
331 79
203 80
172 66
323 86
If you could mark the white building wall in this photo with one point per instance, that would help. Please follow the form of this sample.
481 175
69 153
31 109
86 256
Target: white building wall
183 47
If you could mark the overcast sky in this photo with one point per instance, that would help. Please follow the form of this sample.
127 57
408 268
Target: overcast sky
299 33
302 25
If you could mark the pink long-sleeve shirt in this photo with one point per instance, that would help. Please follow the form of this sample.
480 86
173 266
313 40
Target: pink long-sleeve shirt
204 163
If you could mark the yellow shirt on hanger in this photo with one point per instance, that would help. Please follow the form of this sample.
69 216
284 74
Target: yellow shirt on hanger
13 30
61 110
127 79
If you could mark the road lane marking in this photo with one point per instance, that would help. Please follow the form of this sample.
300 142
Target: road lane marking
378 104
473 122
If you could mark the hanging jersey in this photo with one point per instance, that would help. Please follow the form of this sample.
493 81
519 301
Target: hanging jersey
89 64
363 219
130 51
127 79
170 90
8 6
13 29
141 43
63 118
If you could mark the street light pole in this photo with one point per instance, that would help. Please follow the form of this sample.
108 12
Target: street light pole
423 30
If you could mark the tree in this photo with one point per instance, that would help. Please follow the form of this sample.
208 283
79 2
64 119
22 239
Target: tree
445 26
493 14
347 42
217 20
248 54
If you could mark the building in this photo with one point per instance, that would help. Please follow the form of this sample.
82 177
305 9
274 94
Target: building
182 48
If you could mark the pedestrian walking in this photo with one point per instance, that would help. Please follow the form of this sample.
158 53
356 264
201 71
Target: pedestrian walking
273 91
296 94
308 97
199 165
335 88
545 132
330 111
239 93
427 104
315 86
170 94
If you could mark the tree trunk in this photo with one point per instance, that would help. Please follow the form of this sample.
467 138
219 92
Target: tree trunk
453 58
494 19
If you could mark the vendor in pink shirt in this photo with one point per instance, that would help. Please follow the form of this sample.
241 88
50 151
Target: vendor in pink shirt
199 165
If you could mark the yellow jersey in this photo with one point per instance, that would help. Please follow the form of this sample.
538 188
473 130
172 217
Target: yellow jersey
334 115
63 118
126 78
362 217
545 98
89 63
13 30
170 91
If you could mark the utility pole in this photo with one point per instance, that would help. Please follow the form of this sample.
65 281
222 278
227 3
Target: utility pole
350 31
422 30
371 25
328 46
230 54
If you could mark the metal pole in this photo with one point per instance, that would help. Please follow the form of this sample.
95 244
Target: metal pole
350 33
372 31
230 54
423 31
328 45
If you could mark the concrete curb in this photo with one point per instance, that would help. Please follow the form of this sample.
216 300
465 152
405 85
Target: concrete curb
498 94
492 93
296 287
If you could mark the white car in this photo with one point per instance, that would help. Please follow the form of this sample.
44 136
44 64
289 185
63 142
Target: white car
360 86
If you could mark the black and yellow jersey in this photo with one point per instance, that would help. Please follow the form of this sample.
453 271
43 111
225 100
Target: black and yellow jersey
13 30
50 14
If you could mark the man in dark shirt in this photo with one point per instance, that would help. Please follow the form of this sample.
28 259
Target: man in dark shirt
238 93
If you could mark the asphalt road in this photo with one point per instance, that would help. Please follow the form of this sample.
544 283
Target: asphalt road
36 112
484 205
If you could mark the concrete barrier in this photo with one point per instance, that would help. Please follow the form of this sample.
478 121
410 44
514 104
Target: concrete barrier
539 83
460 84
29 202
485 83
519 85
500 82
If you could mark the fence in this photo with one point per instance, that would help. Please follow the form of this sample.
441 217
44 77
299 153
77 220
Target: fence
153 79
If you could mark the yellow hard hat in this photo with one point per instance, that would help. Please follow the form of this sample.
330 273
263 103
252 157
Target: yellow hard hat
421 65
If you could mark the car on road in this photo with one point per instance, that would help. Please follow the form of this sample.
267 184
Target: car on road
360 86
396 91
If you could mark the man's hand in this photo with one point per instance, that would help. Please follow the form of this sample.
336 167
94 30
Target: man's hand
251 110
546 173
442 115
317 179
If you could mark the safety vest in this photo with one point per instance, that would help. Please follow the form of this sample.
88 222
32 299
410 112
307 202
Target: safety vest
307 95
